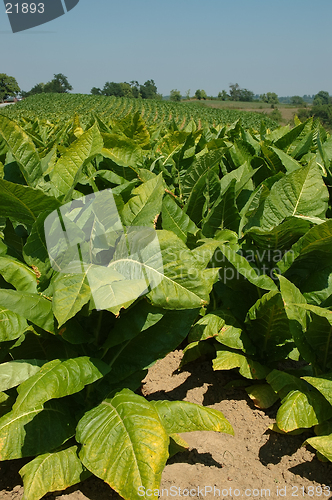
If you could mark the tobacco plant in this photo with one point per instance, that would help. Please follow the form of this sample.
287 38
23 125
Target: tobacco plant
239 223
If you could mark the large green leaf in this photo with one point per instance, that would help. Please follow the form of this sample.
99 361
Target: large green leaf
35 250
145 206
121 150
12 325
67 169
185 285
283 382
301 411
323 444
138 319
323 384
182 416
268 327
301 192
319 335
220 325
51 472
302 406
280 237
195 181
23 150
317 241
227 360
57 379
134 127
286 141
26 433
243 267
18 274
289 163
14 373
70 293
125 444
317 287
262 395
32 306
154 343
24 204
174 219
241 175
297 317
224 214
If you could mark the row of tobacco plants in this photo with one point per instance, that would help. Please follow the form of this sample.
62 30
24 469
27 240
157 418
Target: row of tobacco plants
117 241
55 107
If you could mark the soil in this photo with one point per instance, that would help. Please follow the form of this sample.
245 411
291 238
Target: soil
254 463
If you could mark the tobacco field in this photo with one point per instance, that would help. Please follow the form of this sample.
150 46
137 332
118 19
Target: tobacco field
122 237
63 107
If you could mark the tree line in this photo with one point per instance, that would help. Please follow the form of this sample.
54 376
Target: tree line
132 89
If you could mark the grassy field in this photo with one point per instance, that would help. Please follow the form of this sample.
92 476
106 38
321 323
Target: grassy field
287 110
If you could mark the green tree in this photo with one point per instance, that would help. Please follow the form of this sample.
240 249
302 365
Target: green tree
234 92
175 95
148 90
135 89
246 95
296 100
8 86
203 94
96 91
112 88
270 98
58 85
126 89
321 98
188 94
39 88
223 96
198 94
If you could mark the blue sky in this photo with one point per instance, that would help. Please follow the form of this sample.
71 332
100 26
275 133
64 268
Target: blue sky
282 46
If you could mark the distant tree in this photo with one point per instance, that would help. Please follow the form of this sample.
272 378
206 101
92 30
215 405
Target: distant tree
96 91
132 89
39 88
148 90
198 94
324 113
203 94
8 86
223 96
238 94
126 89
270 98
234 92
112 88
135 89
296 100
321 98
58 85
175 95
246 95
188 94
